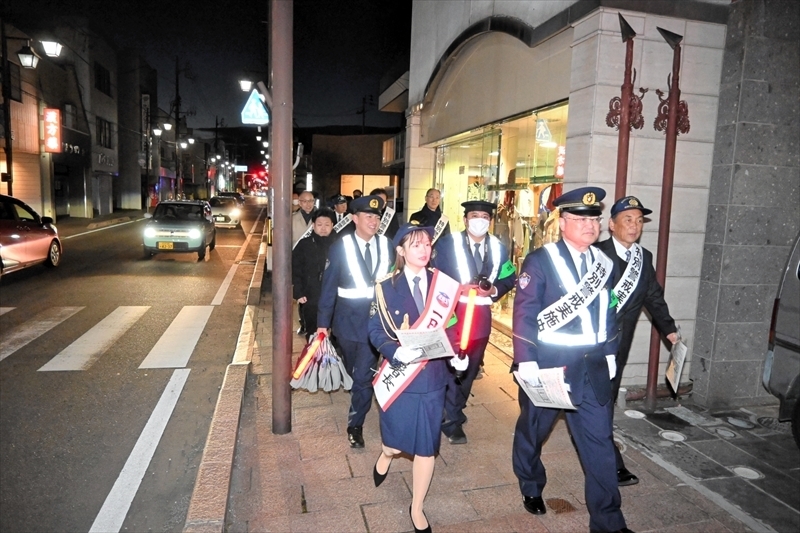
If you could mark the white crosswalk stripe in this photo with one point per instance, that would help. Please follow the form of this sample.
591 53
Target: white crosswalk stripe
176 345
82 353
4 310
34 328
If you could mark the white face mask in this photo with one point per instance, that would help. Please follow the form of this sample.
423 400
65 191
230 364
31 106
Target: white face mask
295 202
478 226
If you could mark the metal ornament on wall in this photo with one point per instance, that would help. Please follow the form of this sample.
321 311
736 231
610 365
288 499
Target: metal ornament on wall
635 107
660 122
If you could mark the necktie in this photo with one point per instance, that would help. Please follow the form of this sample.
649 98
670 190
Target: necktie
627 256
584 269
418 299
478 259
368 258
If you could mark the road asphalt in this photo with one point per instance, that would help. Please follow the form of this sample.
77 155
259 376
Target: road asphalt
700 470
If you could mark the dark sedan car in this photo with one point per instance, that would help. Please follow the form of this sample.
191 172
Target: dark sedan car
26 239
180 226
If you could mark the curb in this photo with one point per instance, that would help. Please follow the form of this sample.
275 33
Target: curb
208 506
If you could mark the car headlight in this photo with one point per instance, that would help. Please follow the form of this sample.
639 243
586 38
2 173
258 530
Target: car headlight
149 232
194 233
235 213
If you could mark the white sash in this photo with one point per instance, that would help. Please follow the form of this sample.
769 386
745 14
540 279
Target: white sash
437 231
342 223
578 297
630 278
390 381
386 219
304 235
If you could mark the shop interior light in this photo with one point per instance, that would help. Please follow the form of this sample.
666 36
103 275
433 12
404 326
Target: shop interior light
52 48
548 144
495 153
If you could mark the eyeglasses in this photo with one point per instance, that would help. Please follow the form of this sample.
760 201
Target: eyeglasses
585 220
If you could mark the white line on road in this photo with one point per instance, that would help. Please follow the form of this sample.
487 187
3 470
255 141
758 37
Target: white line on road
82 353
35 327
223 289
110 226
4 310
118 501
176 345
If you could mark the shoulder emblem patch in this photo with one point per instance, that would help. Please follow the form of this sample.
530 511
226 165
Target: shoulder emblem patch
523 280
373 308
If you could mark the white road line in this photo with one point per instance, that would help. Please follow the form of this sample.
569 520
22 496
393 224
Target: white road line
223 289
4 310
118 501
176 345
110 226
82 353
35 327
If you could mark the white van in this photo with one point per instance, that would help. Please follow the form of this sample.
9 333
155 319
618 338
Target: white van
782 366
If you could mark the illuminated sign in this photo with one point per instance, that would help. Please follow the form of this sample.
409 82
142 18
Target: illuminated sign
561 160
52 130
254 111
240 168
543 131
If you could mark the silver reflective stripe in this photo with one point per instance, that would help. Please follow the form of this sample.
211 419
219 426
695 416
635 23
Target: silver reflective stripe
367 292
383 265
352 263
494 249
461 259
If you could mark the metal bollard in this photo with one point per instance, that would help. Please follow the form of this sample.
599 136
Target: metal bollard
621 397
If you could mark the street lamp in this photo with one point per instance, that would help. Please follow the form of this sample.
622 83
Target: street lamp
157 132
246 85
52 48
28 58
167 126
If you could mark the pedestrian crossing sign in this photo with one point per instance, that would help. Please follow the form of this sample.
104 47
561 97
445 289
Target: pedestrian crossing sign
254 111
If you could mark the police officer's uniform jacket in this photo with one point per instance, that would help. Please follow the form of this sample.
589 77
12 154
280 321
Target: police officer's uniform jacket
454 256
348 286
579 345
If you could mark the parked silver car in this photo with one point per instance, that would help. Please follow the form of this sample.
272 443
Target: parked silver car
26 239
782 366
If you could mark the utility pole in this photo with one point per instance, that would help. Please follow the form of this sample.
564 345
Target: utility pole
178 165
363 112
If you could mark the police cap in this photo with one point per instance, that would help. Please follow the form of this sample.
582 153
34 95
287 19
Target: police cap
338 199
367 204
584 201
478 205
629 202
407 228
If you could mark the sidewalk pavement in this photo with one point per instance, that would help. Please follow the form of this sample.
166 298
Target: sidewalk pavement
734 471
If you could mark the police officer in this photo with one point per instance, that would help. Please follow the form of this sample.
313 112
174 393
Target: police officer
563 318
339 203
355 261
635 285
479 260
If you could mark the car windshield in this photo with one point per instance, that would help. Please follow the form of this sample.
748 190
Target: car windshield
222 202
179 212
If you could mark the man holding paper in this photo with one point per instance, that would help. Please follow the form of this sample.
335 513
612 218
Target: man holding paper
564 317
635 286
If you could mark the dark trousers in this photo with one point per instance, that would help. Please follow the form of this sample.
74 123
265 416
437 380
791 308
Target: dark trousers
458 391
591 428
622 360
360 361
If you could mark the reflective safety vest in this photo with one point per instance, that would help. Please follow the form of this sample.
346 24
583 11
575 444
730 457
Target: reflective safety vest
464 270
363 288
588 336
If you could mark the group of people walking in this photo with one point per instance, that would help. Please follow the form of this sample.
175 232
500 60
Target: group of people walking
575 308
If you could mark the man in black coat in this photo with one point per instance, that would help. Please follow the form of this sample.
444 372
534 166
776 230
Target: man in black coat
431 212
308 265
635 285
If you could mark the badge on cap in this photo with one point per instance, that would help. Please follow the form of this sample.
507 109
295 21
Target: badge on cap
374 203
633 202
589 198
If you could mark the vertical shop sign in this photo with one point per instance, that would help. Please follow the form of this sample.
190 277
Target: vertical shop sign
561 159
52 130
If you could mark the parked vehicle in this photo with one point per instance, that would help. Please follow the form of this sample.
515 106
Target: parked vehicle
180 226
782 366
226 212
239 196
26 239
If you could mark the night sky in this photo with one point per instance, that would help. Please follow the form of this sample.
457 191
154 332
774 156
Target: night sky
342 49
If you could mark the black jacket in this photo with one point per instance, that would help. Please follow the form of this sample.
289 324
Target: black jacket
308 265
426 217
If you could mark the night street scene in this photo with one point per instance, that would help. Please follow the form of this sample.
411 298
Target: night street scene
394 266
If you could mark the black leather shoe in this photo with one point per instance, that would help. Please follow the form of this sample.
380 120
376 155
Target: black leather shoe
376 476
625 477
426 530
355 436
534 504
458 436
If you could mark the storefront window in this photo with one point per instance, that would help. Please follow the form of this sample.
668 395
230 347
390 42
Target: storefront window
518 164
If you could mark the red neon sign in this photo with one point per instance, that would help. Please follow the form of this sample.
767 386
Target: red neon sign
52 130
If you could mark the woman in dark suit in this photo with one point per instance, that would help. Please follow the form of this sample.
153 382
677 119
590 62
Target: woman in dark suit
412 422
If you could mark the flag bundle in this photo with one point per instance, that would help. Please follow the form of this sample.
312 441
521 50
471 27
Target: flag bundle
320 367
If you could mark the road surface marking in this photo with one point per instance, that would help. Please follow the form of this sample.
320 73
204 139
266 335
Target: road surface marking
176 345
82 353
223 289
118 501
4 310
35 327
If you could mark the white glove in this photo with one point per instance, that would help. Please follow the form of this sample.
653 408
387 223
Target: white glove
406 355
459 364
529 372
612 366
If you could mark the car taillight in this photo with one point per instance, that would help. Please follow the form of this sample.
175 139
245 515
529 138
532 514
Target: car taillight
771 338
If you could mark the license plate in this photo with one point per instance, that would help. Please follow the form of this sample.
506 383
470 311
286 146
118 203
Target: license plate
165 246
219 219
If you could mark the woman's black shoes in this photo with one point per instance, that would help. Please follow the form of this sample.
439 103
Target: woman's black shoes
376 477
427 528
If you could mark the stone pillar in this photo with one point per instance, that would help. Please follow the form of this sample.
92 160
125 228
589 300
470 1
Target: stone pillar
753 213
420 168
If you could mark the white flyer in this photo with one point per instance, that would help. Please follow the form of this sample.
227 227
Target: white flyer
433 342
677 356
551 391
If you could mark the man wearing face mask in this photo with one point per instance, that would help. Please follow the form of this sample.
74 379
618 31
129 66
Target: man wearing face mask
478 260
